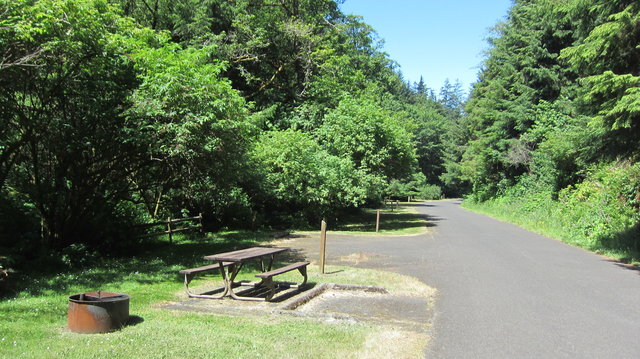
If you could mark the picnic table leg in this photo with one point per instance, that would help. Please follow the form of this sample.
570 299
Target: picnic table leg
228 277
268 282
223 273
303 271
187 280
272 257
189 277
267 268
271 286
234 270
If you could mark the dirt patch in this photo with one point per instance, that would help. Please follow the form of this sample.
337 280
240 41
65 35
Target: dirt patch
357 258
408 312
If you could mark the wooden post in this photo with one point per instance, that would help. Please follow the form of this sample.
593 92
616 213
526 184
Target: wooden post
169 230
378 221
323 244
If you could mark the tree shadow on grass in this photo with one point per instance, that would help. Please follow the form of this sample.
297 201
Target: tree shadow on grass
627 244
389 221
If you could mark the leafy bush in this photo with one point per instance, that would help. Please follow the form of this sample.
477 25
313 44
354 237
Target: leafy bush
299 176
374 139
605 207
416 186
430 191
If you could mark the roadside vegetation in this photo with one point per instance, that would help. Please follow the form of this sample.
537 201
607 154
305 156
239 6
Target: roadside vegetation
599 214
553 124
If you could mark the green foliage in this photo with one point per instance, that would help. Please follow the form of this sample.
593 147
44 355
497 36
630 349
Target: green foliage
522 71
22 218
431 129
66 147
429 192
377 141
100 113
416 187
190 118
300 175
604 209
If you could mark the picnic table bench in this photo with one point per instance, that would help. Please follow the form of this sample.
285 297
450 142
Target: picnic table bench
267 277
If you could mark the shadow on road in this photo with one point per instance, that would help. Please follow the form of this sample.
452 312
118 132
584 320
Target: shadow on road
624 265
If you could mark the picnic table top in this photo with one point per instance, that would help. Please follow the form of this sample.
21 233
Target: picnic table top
244 254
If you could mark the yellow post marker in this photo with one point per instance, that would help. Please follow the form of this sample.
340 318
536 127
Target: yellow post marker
323 244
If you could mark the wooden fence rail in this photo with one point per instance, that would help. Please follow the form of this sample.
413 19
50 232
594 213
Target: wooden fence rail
170 224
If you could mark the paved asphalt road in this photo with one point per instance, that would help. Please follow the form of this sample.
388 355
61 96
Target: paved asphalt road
504 292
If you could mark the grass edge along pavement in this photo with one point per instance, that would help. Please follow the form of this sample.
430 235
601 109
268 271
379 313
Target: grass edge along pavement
550 222
33 322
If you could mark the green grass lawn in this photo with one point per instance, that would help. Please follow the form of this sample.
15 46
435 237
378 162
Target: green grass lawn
33 319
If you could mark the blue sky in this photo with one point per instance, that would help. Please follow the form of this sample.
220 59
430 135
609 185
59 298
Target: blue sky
435 39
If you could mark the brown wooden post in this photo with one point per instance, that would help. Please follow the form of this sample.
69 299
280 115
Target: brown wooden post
378 221
323 244
169 230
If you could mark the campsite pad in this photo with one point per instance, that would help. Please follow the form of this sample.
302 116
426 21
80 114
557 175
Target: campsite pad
328 302
383 308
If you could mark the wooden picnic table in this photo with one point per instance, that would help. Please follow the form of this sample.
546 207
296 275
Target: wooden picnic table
234 261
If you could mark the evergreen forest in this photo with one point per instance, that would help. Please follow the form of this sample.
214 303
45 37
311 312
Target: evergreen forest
279 113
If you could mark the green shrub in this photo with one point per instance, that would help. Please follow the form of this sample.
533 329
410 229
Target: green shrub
430 191
604 208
